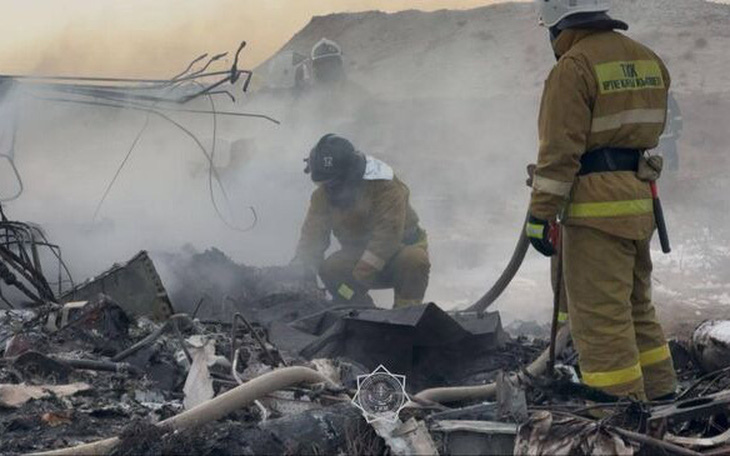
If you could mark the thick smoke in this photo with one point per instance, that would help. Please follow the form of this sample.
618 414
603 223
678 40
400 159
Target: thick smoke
449 99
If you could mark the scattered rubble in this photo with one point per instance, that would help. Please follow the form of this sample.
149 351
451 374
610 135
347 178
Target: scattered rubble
433 347
14 396
211 286
546 434
274 370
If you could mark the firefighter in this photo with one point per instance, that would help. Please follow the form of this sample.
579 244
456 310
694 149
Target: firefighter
327 62
604 104
367 208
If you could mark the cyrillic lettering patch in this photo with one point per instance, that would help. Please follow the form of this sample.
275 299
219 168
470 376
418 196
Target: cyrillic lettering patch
625 76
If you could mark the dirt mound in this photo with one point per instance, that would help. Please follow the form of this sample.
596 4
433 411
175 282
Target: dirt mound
499 48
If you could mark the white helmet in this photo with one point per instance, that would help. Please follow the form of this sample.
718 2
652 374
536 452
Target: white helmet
326 48
554 11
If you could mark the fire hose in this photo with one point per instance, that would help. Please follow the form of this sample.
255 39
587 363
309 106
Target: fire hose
518 256
559 339
523 244
213 409
489 391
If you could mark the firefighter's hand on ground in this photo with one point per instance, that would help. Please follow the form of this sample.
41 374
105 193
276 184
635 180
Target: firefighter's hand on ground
530 174
543 235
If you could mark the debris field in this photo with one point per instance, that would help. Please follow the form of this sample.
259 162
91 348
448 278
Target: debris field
266 364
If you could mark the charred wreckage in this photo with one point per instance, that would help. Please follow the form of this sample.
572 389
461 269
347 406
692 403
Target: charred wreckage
265 363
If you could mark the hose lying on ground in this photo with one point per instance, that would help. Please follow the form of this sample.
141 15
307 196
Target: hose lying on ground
213 409
489 391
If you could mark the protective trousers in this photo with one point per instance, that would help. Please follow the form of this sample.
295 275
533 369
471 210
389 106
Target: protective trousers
620 343
407 273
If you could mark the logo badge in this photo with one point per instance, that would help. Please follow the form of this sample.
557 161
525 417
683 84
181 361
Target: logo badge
381 395
328 162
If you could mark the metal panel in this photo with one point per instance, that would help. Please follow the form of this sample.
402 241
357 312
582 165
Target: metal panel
135 286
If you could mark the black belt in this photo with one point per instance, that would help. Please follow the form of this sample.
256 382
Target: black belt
609 159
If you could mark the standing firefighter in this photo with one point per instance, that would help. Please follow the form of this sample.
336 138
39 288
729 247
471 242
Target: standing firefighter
366 206
604 104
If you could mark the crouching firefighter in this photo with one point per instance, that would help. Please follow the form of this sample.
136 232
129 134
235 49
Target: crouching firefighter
367 208
604 104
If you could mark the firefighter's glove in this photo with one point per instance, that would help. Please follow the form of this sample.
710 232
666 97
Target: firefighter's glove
543 235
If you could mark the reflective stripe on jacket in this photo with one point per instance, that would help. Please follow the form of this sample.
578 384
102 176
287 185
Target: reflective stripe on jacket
605 91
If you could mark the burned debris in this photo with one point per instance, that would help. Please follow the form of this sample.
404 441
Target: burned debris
270 366
135 283
24 248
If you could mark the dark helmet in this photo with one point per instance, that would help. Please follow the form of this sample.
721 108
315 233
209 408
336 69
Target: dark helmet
334 158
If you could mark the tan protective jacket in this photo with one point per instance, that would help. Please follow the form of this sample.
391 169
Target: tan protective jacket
605 91
379 223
